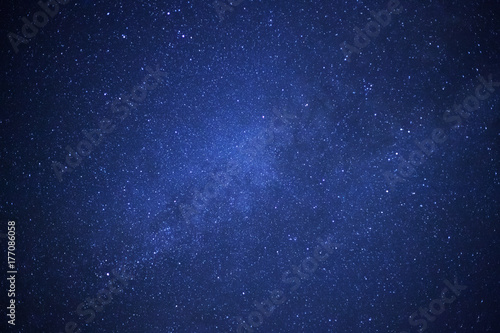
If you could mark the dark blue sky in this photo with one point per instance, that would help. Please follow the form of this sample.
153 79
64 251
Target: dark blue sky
253 137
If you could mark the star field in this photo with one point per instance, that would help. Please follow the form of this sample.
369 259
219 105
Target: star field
252 166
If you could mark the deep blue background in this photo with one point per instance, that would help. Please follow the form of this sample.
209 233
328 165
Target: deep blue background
321 175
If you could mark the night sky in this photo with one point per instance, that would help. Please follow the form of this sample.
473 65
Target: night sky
251 166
